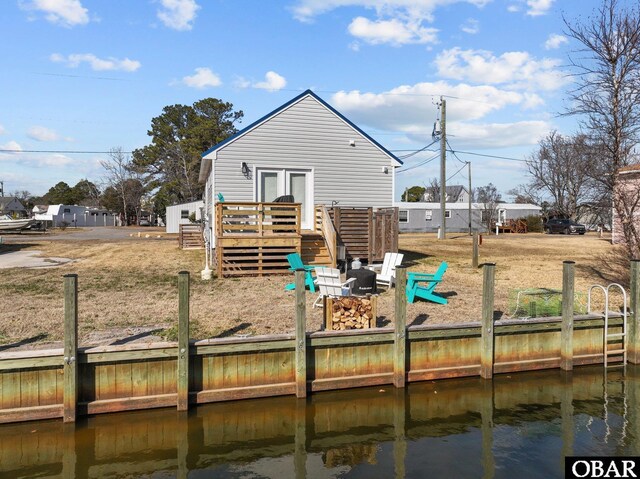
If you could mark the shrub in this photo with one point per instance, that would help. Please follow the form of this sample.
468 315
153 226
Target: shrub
534 223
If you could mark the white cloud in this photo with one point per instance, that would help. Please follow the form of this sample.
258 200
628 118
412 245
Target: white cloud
305 10
202 78
471 26
513 8
394 31
555 41
56 160
98 64
498 135
2 130
12 145
178 14
410 108
41 133
396 22
517 69
67 13
272 82
539 7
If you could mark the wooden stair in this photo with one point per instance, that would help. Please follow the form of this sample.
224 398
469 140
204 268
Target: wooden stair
190 236
314 249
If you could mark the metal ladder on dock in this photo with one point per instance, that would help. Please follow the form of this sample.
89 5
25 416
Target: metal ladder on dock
618 355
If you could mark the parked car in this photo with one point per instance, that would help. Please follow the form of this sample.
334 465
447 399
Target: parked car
144 222
564 226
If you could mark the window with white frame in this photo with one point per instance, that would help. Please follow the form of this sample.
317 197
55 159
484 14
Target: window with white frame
447 213
184 214
428 215
403 216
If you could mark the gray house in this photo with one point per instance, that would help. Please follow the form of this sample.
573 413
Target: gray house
12 206
304 148
454 193
425 217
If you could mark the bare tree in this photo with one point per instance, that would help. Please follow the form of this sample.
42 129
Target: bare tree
121 176
490 197
561 170
607 98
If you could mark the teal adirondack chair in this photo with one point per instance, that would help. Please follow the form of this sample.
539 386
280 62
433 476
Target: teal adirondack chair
295 262
422 285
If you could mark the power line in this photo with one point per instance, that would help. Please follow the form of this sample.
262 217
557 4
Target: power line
422 163
461 168
66 152
489 156
404 157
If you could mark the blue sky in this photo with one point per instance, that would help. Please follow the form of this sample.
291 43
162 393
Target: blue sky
89 75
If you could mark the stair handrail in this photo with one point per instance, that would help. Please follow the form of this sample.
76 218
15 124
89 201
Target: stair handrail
330 236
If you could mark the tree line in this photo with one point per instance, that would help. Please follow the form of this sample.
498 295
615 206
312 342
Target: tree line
163 173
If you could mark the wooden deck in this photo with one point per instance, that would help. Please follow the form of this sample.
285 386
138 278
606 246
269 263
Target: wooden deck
253 239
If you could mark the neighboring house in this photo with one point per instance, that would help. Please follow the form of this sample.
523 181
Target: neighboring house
10 205
304 148
627 191
455 194
74 215
425 217
179 214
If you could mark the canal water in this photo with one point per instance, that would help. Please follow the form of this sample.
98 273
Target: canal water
518 425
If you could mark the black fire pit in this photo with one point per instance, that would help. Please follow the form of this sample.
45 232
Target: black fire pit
365 282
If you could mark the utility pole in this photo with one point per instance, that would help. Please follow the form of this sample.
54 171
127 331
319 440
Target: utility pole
443 160
1 188
470 222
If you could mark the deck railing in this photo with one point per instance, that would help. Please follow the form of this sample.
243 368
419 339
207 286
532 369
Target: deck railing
257 219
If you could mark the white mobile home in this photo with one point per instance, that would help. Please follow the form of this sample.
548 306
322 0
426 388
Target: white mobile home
179 214
426 217
74 215
306 149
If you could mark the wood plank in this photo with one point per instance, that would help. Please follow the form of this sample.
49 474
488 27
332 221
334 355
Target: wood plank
130 404
230 394
37 413
139 378
29 388
10 390
124 387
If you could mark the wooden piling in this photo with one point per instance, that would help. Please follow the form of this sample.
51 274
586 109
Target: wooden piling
183 341
475 254
70 368
633 327
400 336
301 335
566 335
488 290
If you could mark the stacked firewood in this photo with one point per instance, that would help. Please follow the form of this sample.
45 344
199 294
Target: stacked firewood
350 313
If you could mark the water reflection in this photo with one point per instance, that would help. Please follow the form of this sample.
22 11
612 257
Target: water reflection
520 424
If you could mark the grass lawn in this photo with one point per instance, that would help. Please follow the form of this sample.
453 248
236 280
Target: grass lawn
130 288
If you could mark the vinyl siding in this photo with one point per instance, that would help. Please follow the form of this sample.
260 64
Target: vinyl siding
308 136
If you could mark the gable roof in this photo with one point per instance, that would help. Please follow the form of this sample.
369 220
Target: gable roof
206 161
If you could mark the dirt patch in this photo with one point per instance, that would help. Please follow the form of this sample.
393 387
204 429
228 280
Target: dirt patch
129 289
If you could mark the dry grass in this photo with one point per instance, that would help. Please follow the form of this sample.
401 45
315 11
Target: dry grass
130 288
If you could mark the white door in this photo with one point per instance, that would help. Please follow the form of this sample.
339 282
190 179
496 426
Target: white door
272 183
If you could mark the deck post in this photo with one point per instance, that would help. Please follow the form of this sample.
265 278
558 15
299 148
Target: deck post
400 336
301 335
183 341
70 367
486 350
474 258
633 339
566 335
